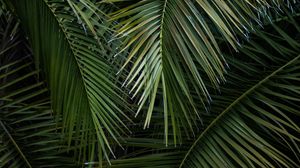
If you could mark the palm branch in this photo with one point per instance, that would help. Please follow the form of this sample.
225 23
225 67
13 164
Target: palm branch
173 52
179 61
253 119
75 60
256 116
30 136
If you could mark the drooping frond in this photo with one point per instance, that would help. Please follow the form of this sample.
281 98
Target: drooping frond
257 114
29 133
68 45
175 68
173 50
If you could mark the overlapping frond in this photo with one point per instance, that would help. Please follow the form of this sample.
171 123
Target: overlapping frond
176 61
29 133
31 138
257 114
68 45
173 50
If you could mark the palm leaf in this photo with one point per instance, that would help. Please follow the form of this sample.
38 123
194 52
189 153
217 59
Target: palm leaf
81 81
251 144
29 135
168 42
255 122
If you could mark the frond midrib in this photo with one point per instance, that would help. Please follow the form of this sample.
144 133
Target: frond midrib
224 112
162 26
73 52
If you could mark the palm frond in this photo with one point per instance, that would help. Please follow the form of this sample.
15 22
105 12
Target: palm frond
173 57
29 134
255 122
169 40
81 81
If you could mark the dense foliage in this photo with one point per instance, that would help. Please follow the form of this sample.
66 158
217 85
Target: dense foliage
149 83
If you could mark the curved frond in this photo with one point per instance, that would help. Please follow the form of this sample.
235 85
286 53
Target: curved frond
173 49
29 134
80 79
173 58
256 116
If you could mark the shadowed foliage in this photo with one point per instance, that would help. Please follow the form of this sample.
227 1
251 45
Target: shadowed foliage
149 83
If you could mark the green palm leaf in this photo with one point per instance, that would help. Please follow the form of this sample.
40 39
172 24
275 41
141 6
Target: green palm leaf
256 120
268 137
29 135
173 50
80 79
172 55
